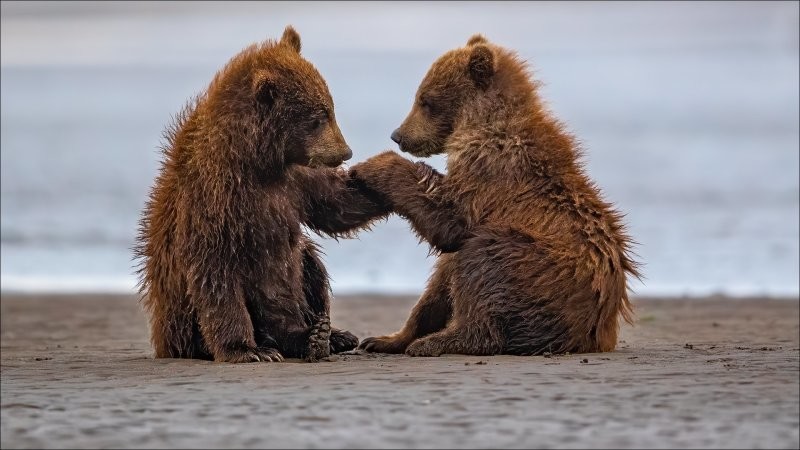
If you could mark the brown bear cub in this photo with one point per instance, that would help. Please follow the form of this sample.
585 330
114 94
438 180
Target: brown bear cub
227 271
533 260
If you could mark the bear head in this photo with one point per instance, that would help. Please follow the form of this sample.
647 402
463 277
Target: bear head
455 84
277 107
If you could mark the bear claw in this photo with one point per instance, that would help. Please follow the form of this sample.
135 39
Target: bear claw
251 355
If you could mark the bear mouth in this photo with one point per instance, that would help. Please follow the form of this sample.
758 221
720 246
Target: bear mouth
318 163
418 151
335 165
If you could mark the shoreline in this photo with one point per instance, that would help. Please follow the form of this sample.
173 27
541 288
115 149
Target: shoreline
77 371
37 287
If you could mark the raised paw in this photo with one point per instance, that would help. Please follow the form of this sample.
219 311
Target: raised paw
248 355
342 341
383 344
383 170
424 347
429 178
319 341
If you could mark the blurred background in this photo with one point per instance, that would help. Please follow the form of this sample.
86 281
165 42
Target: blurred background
687 113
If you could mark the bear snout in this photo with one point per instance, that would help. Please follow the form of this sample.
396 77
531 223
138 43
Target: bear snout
348 153
396 137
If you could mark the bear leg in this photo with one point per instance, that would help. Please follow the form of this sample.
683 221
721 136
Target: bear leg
317 295
171 325
317 292
471 339
486 287
429 315
227 330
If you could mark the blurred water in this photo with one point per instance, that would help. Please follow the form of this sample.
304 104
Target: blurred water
688 114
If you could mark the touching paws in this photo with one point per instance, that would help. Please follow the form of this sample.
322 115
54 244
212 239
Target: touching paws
381 169
389 173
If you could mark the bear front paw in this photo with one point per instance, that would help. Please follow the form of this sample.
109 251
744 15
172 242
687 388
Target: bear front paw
429 178
342 341
380 171
424 347
248 355
383 344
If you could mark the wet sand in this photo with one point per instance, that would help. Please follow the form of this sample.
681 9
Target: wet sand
77 371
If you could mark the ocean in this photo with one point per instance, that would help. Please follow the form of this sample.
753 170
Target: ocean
687 114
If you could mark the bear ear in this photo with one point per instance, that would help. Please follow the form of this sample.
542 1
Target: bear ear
481 65
477 39
264 89
291 38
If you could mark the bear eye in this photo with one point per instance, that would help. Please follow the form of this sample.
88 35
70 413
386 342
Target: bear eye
318 123
427 105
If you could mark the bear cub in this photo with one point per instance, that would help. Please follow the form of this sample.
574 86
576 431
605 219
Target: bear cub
532 259
227 272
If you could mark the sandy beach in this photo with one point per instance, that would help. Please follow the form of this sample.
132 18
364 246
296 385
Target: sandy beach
78 372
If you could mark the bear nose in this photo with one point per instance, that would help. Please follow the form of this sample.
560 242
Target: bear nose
348 154
396 135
